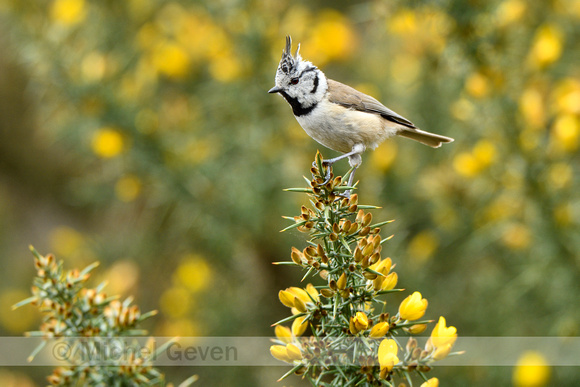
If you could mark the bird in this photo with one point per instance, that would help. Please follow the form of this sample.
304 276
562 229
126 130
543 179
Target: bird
338 116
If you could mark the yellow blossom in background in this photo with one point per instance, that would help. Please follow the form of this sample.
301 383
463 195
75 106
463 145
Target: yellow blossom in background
66 241
510 12
225 68
121 277
332 38
180 327
128 188
485 153
107 143
466 164
175 302
423 245
566 132
193 272
433 382
406 68
421 29
563 214
560 175
547 45
532 108
413 307
387 355
382 158
170 59
566 96
93 66
68 12
462 109
532 370
470 164
477 85
517 236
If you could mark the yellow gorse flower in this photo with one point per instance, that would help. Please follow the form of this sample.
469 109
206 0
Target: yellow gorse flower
283 333
531 370
442 334
379 330
388 351
299 326
413 307
433 382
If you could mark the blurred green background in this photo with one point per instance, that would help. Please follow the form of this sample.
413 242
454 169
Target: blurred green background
139 133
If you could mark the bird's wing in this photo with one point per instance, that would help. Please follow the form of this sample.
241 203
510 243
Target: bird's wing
350 98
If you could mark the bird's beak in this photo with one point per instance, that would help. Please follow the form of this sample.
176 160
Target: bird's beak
275 89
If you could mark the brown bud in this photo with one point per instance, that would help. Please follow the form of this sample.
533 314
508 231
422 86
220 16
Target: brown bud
367 219
365 231
326 292
352 208
341 283
346 226
358 256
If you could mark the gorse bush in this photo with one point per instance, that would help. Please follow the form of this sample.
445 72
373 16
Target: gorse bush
352 329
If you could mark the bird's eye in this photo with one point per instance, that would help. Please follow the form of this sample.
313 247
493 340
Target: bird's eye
294 81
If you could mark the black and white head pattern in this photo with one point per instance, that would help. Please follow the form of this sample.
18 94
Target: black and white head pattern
300 82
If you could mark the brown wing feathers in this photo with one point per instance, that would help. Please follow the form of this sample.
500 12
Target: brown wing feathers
348 97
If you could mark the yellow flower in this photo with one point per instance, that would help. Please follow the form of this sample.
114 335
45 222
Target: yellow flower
293 352
443 335
299 326
531 370
417 329
107 143
287 353
283 333
413 307
280 353
433 382
286 298
175 302
68 12
379 330
360 321
547 45
388 350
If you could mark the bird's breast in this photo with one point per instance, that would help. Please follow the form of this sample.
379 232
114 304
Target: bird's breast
339 128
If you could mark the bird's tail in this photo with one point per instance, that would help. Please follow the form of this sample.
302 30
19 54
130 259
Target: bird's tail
430 139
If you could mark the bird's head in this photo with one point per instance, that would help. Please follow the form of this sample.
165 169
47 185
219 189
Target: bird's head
297 79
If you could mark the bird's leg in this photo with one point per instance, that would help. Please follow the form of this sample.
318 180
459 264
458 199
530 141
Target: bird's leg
356 151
